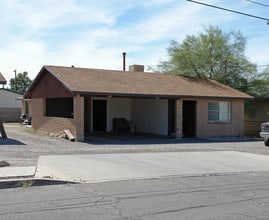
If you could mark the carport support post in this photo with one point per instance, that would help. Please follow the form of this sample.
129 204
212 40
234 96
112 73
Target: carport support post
178 130
79 117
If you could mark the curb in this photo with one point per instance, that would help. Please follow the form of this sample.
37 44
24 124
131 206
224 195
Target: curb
30 182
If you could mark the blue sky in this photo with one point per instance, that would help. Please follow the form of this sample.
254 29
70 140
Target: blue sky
90 33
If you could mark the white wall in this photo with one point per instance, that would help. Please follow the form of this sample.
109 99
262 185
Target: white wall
150 115
117 108
8 99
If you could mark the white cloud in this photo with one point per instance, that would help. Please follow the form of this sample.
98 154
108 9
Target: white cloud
95 33
37 15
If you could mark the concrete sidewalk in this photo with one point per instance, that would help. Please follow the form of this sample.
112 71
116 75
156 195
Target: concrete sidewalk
115 167
17 172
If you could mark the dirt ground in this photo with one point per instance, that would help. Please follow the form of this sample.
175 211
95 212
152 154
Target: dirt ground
22 148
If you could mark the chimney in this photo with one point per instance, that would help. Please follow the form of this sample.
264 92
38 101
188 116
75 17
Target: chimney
136 68
124 60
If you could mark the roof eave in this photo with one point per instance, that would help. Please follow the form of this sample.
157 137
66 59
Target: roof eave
126 95
217 97
156 96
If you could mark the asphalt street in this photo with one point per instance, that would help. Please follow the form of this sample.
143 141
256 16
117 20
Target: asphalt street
240 196
238 190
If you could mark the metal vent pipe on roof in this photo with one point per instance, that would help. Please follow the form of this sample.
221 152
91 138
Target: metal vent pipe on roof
124 60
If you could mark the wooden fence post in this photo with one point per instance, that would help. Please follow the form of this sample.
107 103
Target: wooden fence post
2 130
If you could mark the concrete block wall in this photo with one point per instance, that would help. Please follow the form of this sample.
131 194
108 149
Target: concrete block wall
203 128
207 129
179 118
49 124
79 117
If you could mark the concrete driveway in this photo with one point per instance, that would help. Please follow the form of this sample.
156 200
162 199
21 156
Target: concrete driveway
106 159
115 167
23 147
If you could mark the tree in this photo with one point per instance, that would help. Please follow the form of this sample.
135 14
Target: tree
258 85
21 83
213 54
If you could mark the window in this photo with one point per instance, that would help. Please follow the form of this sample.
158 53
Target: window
59 107
219 111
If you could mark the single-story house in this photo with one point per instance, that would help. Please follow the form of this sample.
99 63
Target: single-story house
257 112
87 100
10 106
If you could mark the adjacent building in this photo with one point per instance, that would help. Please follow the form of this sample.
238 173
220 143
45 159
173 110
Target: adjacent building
87 100
10 106
3 81
256 114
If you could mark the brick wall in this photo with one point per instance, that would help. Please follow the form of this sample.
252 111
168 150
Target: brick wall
207 129
49 124
10 114
79 117
179 118
203 127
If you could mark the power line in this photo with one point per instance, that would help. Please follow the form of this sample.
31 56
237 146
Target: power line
258 3
229 10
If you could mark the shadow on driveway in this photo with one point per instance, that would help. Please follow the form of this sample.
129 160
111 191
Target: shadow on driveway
148 139
9 141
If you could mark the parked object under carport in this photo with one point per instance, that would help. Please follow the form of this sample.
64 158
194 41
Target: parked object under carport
120 125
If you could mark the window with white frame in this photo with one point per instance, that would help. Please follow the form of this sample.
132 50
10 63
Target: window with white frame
219 111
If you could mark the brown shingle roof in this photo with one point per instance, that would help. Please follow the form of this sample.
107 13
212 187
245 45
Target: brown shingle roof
119 83
2 79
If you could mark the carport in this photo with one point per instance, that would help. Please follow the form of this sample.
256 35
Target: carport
149 115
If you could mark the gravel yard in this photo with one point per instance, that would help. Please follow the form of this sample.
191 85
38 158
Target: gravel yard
22 148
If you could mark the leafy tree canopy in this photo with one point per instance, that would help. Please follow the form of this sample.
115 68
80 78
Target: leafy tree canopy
258 85
212 54
21 83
